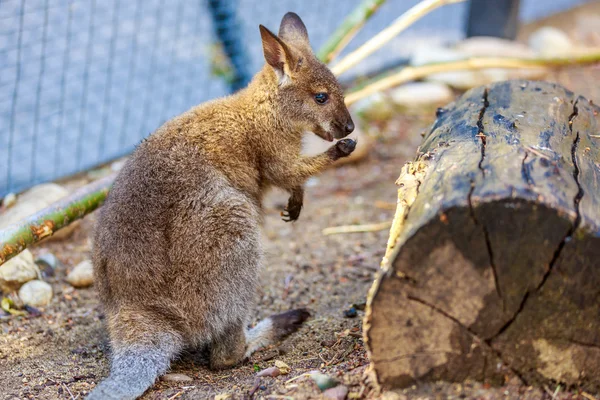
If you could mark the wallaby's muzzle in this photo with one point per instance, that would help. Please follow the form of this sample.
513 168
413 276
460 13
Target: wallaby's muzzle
345 130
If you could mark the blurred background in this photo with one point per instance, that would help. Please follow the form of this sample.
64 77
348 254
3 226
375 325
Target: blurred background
83 81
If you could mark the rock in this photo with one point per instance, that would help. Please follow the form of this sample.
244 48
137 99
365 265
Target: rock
283 367
9 200
82 275
17 271
34 200
323 381
175 378
436 54
350 313
47 264
337 393
550 42
36 293
429 54
271 371
313 145
421 94
484 46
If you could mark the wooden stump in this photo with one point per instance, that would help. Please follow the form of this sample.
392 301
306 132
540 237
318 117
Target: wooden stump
493 263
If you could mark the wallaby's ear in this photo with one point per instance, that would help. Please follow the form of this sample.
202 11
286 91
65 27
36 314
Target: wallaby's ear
292 30
277 54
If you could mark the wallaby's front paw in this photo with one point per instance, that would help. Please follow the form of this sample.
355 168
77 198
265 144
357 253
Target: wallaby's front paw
343 148
292 211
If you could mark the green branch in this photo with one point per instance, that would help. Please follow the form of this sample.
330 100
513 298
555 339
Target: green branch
350 27
15 238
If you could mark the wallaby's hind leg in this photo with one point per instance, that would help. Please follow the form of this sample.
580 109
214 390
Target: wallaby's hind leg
229 348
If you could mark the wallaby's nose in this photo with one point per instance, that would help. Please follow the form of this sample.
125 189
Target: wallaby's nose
349 127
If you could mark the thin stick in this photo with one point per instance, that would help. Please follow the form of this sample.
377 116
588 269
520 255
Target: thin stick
408 74
176 395
348 29
68 390
296 377
588 396
400 24
357 228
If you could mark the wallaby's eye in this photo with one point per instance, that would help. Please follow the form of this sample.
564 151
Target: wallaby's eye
321 98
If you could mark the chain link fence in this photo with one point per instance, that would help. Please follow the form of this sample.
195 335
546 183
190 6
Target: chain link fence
83 81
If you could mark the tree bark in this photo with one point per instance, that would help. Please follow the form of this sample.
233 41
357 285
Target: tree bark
492 266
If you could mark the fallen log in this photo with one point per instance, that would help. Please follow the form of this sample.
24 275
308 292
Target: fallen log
493 262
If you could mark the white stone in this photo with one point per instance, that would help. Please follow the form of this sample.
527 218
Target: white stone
438 54
17 271
32 201
176 378
9 200
483 46
82 275
420 94
551 42
36 293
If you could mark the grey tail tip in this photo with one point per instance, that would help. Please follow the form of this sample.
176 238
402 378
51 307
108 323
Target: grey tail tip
134 369
289 322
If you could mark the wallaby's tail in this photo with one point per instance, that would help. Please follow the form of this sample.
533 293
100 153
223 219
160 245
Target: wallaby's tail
274 328
134 369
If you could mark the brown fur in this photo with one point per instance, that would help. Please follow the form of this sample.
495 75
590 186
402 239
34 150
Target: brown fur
177 252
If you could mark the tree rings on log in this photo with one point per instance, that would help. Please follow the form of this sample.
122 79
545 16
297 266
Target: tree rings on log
493 262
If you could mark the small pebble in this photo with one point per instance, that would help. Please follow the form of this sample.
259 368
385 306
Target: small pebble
262 387
47 263
18 270
272 371
323 381
82 275
36 293
350 313
337 393
176 378
9 200
283 367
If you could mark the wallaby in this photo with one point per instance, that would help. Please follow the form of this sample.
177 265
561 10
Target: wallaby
177 252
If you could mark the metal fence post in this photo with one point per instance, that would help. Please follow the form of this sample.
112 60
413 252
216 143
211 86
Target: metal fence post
497 18
228 30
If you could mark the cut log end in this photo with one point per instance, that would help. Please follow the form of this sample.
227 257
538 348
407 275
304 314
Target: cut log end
494 269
